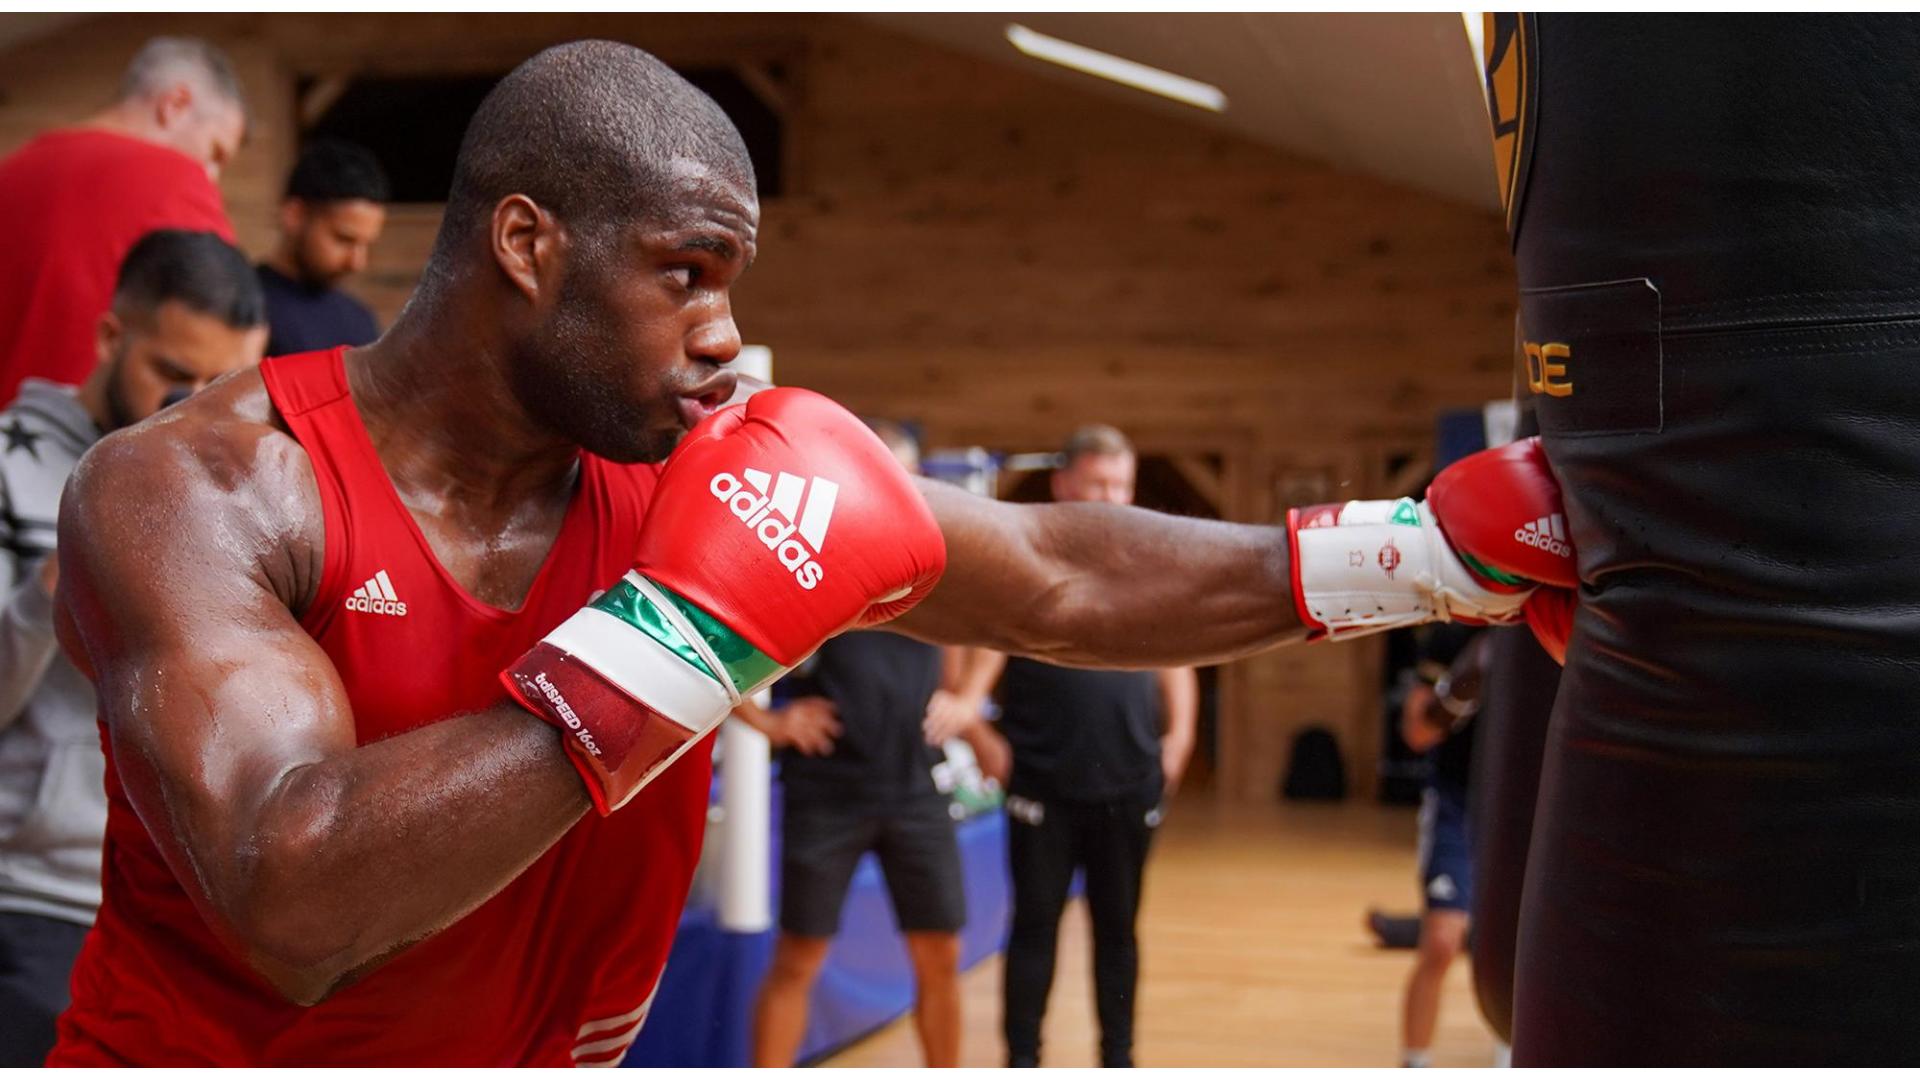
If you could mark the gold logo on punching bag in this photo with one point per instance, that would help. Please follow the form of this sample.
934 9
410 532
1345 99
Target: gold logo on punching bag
1547 368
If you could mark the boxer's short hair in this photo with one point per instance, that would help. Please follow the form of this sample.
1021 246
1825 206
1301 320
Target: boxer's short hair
196 269
589 130
334 170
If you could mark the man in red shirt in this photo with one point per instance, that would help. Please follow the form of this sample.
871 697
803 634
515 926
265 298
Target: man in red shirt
74 200
333 835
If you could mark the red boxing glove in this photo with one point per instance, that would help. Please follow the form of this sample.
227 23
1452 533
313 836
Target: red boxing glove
1501 510
1550 617
777 474
1490 533
776 524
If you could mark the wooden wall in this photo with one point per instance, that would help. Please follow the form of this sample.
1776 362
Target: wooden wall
1000 258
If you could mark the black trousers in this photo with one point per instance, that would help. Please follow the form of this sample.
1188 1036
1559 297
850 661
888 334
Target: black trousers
1046 843
36 960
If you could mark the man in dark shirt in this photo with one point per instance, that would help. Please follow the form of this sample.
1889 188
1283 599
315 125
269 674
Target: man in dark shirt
858 777
332 215
1090 768
1435 719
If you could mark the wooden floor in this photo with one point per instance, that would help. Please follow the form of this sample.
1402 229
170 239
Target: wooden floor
1252 952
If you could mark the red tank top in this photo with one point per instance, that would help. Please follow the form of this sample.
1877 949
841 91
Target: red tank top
560 966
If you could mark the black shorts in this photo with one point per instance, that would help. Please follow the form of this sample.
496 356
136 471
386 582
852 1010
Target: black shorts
1446 858
822 842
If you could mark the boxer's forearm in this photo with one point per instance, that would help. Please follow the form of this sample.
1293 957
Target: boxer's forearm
1104 586
369 851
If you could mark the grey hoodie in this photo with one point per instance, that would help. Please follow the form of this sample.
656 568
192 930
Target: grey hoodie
53 803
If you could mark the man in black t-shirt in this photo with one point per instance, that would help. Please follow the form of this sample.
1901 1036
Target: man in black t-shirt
1089 770
858 777
332 214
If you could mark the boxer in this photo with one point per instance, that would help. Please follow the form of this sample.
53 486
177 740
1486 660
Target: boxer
407 689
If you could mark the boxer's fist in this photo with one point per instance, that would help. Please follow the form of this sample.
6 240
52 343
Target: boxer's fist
1491 532
803 522
1501 510
776 524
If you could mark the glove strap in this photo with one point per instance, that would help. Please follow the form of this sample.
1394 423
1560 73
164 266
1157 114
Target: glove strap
633 680
669 621
1361 567
686 634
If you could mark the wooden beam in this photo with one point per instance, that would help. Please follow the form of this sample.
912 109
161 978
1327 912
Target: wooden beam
1406 479
320 97
1202 478
760 79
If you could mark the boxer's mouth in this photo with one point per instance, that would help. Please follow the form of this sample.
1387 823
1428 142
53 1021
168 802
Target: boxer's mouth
706 399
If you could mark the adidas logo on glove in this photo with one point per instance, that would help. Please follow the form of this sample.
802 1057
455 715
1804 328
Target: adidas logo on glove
1548 534
778 508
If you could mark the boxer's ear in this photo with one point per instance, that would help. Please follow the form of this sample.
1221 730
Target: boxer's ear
526 242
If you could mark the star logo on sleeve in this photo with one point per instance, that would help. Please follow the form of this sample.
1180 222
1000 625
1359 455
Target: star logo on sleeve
20 438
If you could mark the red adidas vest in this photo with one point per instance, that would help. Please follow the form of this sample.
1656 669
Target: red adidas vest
560 966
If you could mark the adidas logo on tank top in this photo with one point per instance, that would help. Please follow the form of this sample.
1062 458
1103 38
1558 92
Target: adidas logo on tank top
376 597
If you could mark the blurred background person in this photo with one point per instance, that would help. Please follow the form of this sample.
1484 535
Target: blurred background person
186 311
331 216
1436 719
858 777
73 201
1094 753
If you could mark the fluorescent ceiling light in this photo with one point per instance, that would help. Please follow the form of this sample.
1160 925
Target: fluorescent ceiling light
1108 66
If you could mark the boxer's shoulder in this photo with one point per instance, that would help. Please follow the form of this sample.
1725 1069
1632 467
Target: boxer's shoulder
227 441
220 465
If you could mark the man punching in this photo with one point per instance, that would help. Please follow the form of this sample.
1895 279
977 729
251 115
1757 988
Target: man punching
1716 223
406 689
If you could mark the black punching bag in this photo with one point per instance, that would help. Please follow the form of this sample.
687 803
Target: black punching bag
1717 231
1516 697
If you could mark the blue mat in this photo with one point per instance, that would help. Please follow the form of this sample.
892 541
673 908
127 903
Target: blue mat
703 1013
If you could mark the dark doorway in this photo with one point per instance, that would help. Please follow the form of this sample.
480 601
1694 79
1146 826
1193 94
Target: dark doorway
413 124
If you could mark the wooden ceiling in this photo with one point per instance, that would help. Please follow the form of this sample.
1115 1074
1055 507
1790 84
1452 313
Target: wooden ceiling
1395 96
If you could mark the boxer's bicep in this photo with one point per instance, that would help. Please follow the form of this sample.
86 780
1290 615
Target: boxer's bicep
207 721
